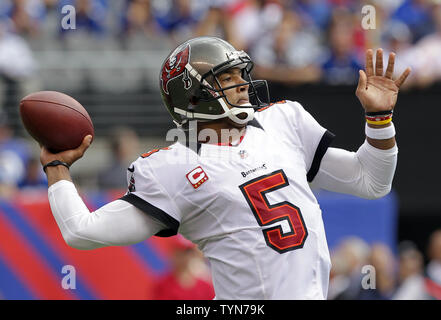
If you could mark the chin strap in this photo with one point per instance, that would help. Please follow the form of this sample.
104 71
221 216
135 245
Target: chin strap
234 112
228 113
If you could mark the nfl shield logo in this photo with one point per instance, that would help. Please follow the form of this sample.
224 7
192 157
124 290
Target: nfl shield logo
243 154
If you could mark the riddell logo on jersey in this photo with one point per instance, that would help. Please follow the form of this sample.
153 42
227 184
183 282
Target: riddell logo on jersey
197 177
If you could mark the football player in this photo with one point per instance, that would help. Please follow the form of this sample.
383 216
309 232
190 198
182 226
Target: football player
245 200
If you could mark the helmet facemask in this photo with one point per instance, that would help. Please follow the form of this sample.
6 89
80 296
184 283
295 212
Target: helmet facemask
209 93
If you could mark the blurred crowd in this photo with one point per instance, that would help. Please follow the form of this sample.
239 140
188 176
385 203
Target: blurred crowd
359 271
188 276
21 171
291 41
374 272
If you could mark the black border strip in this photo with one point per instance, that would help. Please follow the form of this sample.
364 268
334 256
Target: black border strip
156 213
323 145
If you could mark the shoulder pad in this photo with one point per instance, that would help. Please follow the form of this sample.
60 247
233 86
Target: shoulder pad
148 154
270 105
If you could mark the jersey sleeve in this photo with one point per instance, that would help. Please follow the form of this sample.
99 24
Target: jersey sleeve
315 139
291 122
147 194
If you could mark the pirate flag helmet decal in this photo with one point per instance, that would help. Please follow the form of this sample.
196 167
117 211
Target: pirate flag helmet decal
174 67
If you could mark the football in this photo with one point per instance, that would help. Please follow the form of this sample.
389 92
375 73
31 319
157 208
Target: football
56 120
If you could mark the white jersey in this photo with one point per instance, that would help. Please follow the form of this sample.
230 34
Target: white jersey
249 207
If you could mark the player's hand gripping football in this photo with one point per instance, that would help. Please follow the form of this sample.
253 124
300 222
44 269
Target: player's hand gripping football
377 91
68 156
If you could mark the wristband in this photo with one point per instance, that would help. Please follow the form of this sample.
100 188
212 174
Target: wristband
379 117
54 164
379 121
379 113
381 133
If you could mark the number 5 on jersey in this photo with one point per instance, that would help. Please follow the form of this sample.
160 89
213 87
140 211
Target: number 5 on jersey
255 193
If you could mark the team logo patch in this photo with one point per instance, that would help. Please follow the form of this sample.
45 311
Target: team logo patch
174 67
197 177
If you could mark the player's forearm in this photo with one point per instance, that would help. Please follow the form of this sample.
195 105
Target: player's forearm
378 168
67 206
117 223
368 173
57 173
382 144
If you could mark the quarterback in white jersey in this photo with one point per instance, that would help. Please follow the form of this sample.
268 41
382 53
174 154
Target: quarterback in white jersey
243 197
248 207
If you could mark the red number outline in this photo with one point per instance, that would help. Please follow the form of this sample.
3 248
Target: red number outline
255 192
